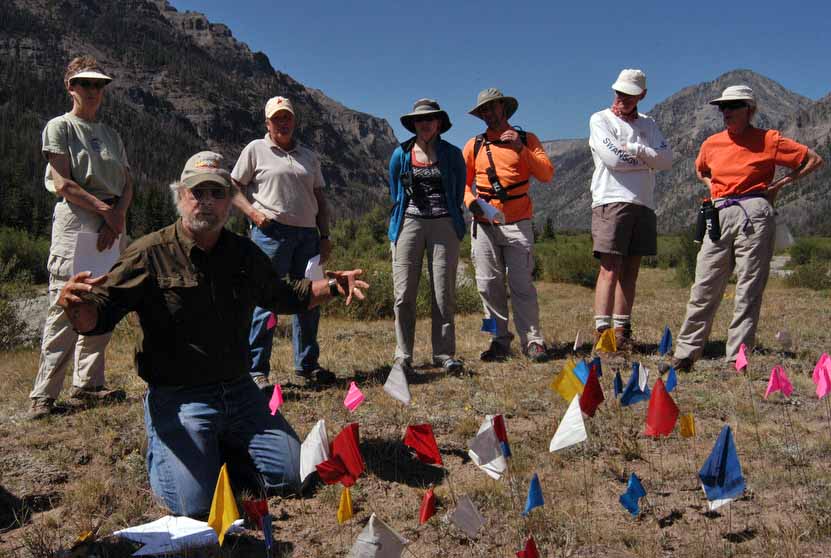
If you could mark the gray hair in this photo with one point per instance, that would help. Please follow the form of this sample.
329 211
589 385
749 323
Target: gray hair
176 191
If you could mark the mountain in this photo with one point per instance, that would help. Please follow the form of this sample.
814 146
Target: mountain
182 84
686 119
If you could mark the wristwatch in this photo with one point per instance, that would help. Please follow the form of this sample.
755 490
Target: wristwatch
333 288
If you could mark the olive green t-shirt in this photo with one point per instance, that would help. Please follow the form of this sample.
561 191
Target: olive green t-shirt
96 154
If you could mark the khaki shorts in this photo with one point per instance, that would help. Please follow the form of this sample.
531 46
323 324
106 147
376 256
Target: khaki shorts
624 229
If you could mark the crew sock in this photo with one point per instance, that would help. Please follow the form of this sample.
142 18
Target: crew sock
602 322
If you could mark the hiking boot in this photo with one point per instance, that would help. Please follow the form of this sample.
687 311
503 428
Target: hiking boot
497 352
317 377
450 365
682 364
99 393
262 382
536 352
623 338
41 407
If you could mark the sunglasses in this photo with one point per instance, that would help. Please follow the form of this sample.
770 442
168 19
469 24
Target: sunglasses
89 84
216 193
425 118
732 105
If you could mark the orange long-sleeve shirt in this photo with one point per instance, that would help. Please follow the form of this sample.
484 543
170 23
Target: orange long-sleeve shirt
511 167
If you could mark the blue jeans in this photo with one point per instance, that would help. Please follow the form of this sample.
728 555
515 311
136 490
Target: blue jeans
289 249
192 431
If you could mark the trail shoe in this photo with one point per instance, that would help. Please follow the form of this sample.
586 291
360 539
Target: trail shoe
450 365
262 382
682 364
99 393
536 352
41 407
497 352
317 377
623 338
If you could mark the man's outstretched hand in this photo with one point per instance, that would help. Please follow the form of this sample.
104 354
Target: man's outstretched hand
348 284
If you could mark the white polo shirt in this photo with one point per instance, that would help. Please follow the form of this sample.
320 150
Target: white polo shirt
281 183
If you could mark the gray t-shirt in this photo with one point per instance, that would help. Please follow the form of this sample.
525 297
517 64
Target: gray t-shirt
98 161
281 183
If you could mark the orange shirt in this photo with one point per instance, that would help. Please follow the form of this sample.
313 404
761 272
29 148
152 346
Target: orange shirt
746 163
511 167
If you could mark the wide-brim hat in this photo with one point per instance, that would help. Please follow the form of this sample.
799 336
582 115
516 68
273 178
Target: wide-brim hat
630 81
426 107
736 93
205 166
90 74
493 94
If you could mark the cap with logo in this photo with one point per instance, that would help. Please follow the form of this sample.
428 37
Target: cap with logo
276 104
205 166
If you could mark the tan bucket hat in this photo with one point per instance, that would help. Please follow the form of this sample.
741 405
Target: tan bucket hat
424 107
736 93
205 166
630 81
493 94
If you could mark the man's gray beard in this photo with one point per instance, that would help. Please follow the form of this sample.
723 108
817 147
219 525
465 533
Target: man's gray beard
203 225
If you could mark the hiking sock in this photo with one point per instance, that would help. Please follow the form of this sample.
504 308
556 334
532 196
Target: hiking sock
602 322
622 322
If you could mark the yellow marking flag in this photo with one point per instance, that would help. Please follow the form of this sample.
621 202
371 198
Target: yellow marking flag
606 343
223 508
566 383
687 426
345 508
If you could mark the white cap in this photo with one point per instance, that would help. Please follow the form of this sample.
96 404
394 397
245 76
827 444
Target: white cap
736 93
90 74
276 104
631 82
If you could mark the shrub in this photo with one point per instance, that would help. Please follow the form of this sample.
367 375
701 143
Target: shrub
12 327
22 257
812 275
566 261
687 253
807 250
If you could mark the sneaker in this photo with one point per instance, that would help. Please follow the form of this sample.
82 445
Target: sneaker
497 352
99 393
317 377
41 407
682 364
450 365
623 338
262 382
536 352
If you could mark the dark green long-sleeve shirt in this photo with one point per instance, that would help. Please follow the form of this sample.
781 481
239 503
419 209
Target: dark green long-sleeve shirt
194 306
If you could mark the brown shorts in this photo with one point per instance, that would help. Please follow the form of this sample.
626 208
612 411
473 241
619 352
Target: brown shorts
624 229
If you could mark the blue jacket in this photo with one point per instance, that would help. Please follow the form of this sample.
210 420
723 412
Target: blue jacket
453 175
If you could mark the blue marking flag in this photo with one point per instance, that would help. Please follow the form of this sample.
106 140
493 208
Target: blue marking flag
534 498
672 379
634 492
721 475
595 363
267 536
489 325
581 370
666 342
633 393
618 383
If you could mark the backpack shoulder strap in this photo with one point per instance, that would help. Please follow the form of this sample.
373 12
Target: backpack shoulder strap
477 145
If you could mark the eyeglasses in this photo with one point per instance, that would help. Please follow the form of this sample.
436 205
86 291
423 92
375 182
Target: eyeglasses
732 105
89 84
623 95
425 118
216 193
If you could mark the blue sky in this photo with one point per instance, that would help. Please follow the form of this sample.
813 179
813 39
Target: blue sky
557 58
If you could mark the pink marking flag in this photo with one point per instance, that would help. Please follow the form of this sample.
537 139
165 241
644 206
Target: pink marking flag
823 382
276 399
822 364
779 382
354 397
272 321
741 359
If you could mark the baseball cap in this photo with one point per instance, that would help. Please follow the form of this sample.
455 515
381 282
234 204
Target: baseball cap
205 166
276 104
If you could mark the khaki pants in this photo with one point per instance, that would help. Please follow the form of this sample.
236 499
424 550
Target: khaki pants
437 238
507 251
746 245
61 345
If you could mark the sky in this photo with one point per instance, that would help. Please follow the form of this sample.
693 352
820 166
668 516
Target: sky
557 58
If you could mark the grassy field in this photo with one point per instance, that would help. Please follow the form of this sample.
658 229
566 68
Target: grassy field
84 467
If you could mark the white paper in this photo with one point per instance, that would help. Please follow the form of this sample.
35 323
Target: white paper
314 271
396 385
466 517
314 450
494 468
485 445
491 213
577 341
643 378
717 503
378 540
88 258
571 430
170 534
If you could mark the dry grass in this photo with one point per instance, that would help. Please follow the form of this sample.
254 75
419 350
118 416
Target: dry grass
85 466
